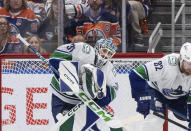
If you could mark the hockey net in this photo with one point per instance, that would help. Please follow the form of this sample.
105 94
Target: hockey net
24 88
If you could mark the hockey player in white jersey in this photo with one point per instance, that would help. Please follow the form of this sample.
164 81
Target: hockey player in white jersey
88 61
160 84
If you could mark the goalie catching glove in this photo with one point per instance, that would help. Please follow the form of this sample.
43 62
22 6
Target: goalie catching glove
93 81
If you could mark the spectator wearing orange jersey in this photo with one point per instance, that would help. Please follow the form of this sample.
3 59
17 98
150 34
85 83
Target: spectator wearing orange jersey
95 24
8 42
99 24
22 19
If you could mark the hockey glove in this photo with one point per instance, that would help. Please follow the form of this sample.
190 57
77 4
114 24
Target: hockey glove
94 82
157 105
143 104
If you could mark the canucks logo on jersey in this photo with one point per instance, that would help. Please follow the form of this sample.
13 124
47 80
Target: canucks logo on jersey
174 93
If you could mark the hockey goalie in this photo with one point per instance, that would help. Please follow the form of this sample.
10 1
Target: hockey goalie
87 69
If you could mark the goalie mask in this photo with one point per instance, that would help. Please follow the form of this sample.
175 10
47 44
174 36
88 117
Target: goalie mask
185 59
105 49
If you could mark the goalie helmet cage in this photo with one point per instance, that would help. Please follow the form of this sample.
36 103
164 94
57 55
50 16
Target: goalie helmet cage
30 63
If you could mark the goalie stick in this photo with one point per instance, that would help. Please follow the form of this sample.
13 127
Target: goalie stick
101 113
114 123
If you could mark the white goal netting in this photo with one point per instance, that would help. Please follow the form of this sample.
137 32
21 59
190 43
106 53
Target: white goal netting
26 103
36 66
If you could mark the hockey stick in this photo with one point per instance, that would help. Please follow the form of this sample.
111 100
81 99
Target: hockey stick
171 121
81 95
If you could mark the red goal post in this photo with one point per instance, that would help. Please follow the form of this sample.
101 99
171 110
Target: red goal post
31 64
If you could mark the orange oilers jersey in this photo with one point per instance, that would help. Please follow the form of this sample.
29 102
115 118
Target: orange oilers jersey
104 27
25 23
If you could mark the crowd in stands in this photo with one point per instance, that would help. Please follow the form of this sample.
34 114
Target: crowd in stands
84 21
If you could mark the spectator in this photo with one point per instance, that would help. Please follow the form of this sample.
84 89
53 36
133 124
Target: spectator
74 11
20 17
38 7
99 24
96 24
48 29
35 42
115 8
8 42
138 11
